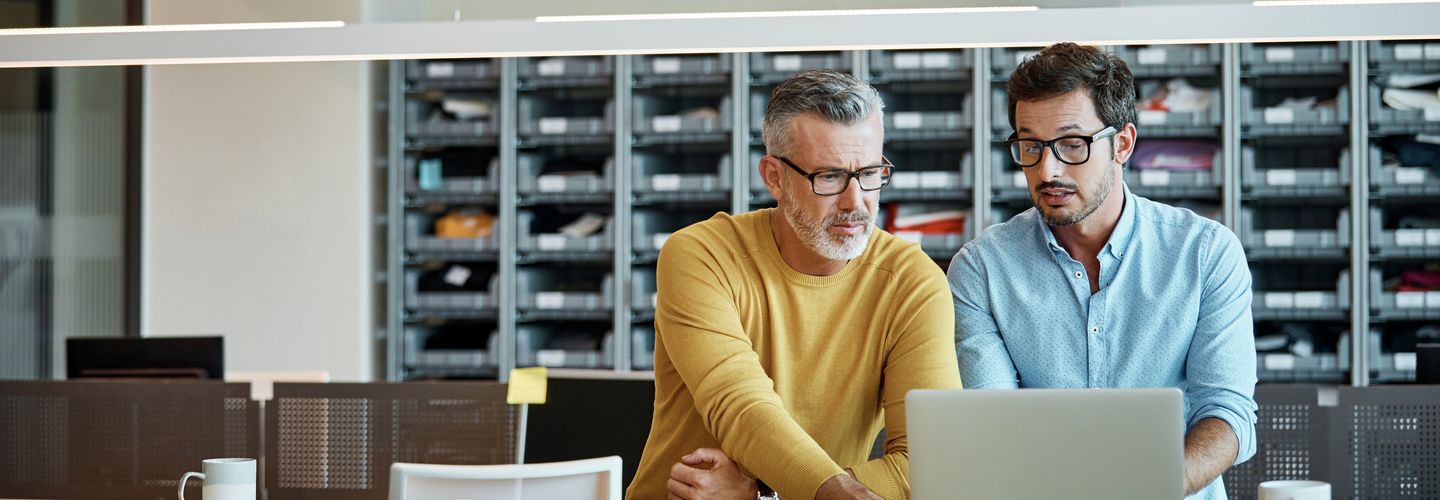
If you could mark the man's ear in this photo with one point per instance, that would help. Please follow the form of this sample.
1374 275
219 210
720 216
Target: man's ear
770 171
1125 143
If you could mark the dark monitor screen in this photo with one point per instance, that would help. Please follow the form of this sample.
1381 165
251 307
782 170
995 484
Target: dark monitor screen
155 357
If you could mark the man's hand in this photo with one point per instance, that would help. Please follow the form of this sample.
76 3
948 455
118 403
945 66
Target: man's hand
707 474
844 486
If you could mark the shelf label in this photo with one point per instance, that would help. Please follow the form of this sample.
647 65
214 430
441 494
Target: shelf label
936 180
1409 237
457 275
1279 361
440 70
1151 55
550 183
1309 300
550 357
1409 175
1405 361
550 241
1280 177
1279 54
1280 238
1021 56
1409 51
786 62
665 182
1152 117
905 180
654 300
550 300
550 67
553 125
1154 177
907 119
665 65
1432 300
1019 180
910 236
1432 237
1279 116
1432 113
1410 300
1432 51
935 60
907 60
665 124
1279 300
658 240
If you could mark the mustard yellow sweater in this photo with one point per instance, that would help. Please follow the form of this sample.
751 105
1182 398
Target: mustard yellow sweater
792 375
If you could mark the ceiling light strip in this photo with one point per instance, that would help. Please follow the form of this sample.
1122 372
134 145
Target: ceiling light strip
164 28
777 13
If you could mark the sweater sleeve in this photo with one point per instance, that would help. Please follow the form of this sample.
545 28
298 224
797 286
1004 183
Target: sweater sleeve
697 319
922 357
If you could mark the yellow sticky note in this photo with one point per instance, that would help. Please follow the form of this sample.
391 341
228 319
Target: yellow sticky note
527 385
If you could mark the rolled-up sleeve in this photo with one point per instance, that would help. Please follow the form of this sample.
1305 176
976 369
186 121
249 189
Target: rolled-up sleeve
1220 366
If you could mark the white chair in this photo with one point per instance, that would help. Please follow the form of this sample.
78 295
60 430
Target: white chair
595 478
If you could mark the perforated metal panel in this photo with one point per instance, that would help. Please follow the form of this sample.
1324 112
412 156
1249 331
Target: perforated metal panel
338 440
1392 440
1291 441
117 439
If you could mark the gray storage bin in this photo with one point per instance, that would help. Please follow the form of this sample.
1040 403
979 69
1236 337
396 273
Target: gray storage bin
1171 60
758 103
642 348
1421 56
1264 179
545 345
773 67
1007 179
926 125
657 174
1292 122
486 185
650 229
1318 367
919 65
544 118
1331 304
1004 60
453 70
655 115
757 184
531 181
1295 59
642 290
1400 306
1388 366
418 240
540 289
450 301
1262 240
448 360
424 121
1166 124
999 114
1390 121
1401 181
1183 183
1387 242
566 67
558 242
912 178
681 69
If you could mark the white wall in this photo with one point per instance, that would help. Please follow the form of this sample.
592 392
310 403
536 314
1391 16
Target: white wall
256 195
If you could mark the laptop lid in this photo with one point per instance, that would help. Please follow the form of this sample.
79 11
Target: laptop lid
1113 444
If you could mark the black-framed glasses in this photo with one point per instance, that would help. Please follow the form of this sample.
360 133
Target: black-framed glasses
1070 149
833 181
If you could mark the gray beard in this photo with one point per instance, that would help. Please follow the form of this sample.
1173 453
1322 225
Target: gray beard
813 234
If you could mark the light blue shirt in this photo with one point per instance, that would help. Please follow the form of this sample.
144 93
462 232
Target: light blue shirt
1173 310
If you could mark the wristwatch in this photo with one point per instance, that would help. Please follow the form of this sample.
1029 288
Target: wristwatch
765 492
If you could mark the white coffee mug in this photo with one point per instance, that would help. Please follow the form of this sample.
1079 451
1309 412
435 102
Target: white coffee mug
224 479
1295 490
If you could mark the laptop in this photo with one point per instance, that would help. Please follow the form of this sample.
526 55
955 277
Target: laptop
1115 444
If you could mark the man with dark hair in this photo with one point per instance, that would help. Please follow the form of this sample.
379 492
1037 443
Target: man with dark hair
1097 287
786 338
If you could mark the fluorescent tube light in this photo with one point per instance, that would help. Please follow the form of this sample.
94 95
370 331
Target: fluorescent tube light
157 28
777 13
1304 3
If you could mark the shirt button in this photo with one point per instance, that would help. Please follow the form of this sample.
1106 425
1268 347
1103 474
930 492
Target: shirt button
1077 275
1094 329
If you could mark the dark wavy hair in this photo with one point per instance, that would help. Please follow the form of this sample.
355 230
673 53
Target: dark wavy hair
1066 67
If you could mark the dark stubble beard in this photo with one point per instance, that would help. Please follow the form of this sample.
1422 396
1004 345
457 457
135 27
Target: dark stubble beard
1092 203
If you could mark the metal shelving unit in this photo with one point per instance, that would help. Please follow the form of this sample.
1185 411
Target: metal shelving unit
650 144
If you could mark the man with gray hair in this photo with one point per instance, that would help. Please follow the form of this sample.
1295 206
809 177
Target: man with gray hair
787 338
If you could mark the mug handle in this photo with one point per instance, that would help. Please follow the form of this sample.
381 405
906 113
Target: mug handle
187 477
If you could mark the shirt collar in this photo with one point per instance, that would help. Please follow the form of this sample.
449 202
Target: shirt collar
1119 237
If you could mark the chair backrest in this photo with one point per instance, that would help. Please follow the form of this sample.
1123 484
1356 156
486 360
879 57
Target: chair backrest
595 478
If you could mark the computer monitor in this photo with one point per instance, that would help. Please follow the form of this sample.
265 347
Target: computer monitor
153 357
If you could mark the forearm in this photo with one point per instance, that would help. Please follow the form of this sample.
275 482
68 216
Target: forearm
1210 449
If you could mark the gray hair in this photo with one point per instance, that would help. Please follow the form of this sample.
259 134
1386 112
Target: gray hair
829 95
